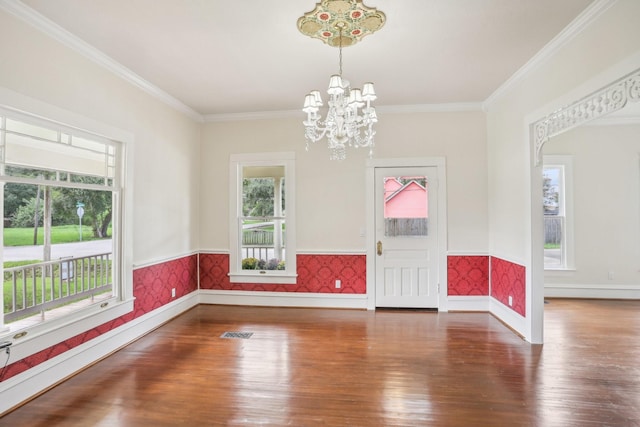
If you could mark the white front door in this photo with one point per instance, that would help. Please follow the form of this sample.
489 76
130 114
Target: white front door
406 271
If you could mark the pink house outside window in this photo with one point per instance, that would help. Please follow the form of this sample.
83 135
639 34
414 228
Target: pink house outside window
405 201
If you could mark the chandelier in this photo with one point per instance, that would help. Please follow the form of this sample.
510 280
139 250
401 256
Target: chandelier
350 117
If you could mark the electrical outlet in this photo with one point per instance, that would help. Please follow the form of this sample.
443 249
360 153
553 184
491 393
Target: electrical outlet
510 301
338 284
610 275
173 292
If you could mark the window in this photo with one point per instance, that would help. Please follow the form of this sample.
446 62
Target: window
558 212
60 184
405 206
262 218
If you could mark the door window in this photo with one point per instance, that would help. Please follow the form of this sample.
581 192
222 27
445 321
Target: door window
405 206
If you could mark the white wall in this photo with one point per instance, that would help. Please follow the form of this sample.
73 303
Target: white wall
166 142
606 189
40 75
331 195
571 72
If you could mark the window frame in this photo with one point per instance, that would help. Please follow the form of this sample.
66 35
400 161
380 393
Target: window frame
565 202
236 165
31 339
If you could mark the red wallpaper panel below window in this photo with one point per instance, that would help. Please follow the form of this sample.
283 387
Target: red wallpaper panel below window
152 288
508 279
468 275
316 273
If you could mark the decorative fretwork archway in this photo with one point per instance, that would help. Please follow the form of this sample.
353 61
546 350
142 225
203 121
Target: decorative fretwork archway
611 98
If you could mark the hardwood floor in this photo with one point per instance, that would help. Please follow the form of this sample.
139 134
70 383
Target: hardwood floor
316 367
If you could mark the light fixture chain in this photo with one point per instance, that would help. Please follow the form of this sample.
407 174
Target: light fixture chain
340 50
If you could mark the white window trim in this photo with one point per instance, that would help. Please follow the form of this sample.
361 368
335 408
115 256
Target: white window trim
32 339
565 161
237 162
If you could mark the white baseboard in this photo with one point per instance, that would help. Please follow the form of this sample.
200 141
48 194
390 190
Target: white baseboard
30 383
601 291
468 303
284 299
514 320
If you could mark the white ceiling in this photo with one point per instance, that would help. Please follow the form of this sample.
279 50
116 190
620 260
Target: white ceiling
222 56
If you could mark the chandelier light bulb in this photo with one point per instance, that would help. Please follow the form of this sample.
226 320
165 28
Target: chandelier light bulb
355 98
368 92
317 97
335 85
309 104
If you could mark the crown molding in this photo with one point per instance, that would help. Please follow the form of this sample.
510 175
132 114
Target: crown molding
453 107
579 24
56 32
388 109
256 115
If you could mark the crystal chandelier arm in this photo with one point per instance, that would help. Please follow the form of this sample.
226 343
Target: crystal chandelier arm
314 131
364 137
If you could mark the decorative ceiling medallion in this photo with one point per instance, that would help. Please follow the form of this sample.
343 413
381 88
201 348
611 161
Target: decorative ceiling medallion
329 17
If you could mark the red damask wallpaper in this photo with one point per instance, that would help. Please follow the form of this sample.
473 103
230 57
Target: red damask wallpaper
316 273
507 279
468 275
152 289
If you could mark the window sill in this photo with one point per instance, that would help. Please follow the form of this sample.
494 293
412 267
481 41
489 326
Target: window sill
46 334
266 277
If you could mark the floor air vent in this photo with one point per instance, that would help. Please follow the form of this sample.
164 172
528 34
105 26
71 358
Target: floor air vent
241 335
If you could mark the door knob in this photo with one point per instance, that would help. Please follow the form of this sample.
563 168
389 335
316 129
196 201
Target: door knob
379 247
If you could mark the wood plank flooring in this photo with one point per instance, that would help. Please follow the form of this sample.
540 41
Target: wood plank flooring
316 367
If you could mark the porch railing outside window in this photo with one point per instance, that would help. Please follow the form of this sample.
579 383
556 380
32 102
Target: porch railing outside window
259 244
38 288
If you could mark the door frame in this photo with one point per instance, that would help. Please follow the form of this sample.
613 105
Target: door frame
441 233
